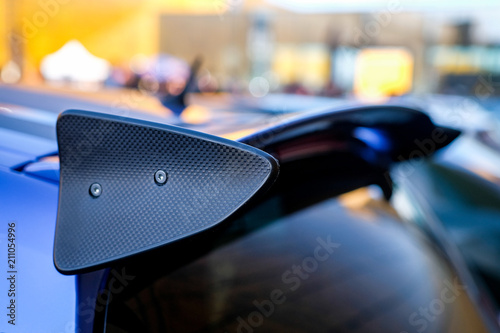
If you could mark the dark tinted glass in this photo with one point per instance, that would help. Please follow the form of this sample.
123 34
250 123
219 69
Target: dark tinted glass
344 264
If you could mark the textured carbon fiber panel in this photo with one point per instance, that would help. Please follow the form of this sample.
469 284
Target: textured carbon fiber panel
209 178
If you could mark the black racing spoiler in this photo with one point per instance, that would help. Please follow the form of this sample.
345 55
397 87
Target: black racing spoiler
129 186
394 133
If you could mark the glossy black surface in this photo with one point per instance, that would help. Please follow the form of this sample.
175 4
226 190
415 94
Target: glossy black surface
340 265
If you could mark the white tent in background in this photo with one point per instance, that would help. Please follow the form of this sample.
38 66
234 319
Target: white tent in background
74 63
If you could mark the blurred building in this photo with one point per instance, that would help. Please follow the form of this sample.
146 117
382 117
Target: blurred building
305 46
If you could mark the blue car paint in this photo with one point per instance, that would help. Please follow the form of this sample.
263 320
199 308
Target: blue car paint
18 149
45 302
12 159
30 145
43 170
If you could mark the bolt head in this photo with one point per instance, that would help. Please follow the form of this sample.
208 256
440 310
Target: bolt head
161 177
95 190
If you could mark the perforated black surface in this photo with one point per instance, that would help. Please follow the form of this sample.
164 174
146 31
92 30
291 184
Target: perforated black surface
208 179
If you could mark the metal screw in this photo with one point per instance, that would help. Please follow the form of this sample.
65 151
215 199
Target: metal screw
95 190
161 177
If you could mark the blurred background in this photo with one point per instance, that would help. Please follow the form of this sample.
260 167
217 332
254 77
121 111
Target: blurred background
363 49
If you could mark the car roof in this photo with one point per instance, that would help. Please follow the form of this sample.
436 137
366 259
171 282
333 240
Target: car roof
28 115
